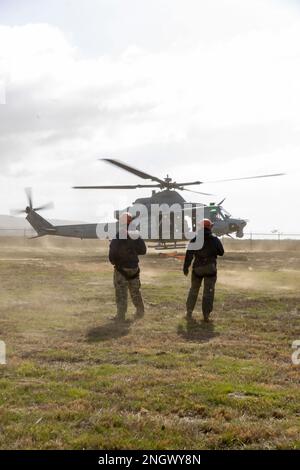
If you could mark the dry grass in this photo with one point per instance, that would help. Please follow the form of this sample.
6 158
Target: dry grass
74 379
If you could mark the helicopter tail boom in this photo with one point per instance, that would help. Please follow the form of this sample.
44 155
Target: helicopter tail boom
40 225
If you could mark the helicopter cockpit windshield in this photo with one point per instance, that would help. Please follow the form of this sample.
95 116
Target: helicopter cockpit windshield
224 213
216 212
213 214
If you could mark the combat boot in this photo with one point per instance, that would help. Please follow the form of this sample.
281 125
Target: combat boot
189 315
139 314
120 317
206 317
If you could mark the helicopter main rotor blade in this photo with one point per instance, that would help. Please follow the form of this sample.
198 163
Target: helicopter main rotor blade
128 186
246 178
132 170
196 192
188 184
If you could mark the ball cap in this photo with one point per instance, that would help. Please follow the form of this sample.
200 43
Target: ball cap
126 218
206 223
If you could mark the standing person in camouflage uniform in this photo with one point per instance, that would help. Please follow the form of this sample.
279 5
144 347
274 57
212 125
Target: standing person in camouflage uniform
123 254
204 268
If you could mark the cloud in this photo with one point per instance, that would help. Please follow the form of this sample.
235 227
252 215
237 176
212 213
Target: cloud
219 97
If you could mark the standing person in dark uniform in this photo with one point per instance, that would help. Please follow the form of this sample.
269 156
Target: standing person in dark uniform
123 254
204 268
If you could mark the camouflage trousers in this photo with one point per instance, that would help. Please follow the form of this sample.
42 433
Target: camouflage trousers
208 294
122 285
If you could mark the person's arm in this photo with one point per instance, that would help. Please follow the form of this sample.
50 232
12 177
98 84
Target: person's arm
189 255
113 251
220 249
140 246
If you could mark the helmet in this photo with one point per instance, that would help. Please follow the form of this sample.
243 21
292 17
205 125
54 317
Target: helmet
206 223
125 218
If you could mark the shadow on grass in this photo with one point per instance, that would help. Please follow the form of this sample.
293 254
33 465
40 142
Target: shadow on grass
110 330
194 331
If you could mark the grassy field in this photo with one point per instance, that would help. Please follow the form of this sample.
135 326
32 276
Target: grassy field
74 379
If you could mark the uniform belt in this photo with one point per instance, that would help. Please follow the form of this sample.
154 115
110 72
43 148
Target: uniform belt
126 273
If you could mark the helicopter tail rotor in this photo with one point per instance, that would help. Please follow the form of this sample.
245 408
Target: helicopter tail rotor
29 208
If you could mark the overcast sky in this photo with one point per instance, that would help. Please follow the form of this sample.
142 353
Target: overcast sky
197 89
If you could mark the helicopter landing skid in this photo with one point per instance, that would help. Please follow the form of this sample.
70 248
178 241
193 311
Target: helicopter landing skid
165 246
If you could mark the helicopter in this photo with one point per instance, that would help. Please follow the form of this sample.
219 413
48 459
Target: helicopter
224 223
165 195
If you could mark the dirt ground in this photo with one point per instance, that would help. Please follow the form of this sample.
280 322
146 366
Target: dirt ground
74 379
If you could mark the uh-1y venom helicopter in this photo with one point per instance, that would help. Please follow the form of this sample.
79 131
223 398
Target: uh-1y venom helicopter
167 196
224 224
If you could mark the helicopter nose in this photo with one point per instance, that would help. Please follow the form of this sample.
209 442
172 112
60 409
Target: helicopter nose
234 225
237 224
